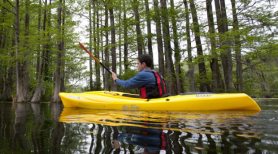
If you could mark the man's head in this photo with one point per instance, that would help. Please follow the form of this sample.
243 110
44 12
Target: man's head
145 61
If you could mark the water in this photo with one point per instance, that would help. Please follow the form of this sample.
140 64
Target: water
44 128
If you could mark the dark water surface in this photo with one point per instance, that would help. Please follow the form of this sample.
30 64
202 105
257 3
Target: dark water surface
46 128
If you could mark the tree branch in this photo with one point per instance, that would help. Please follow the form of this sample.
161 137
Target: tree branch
8 9
10 3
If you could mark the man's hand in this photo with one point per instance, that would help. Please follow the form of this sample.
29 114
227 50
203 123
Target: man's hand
114 76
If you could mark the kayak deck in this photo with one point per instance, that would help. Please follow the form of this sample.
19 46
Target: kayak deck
109 100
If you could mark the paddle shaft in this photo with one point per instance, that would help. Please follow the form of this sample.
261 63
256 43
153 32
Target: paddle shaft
95 58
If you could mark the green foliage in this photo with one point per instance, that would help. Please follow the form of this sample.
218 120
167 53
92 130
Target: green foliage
257 29
125 76
260 78
48 91
128 74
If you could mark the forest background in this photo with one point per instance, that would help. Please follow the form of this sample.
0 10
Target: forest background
197 45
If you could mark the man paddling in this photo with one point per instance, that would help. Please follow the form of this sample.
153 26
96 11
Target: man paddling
150 82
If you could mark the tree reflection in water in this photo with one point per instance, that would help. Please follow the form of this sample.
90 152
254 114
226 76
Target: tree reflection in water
35 132
39 128
19 139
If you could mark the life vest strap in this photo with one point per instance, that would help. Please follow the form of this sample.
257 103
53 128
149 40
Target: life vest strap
163 141
143 92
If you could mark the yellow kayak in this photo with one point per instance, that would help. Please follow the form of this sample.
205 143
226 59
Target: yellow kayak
110 100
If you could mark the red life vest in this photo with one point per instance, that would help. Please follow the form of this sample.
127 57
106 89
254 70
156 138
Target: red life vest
154 92
163 141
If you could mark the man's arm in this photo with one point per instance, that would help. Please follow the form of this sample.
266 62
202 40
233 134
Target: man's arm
135 82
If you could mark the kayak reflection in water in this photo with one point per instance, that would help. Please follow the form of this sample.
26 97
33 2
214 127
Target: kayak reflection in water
152 140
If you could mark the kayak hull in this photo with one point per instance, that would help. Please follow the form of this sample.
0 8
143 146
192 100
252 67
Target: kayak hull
109 100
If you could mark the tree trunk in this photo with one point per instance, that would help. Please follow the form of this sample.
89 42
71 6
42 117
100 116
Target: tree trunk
58 76
149 31
226 56
159 37
97 45
63 88
2 30
7 89
22 79
47 44
90 43
38 65
120 39
217 83
126 63
172 87
177 49
113 41
102 49
190 73
239 78
7 78
265 87
204 86
106 52
135 6
42 58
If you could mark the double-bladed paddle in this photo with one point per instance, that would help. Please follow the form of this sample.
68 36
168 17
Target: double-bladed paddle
95 58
